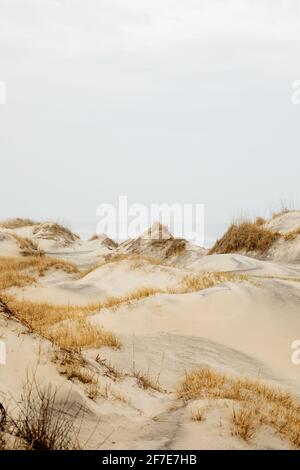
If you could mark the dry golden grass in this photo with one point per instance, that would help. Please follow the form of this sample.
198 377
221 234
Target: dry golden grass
245 236
10 279
74 367
106 241
93 391
40 421
18 272
139 294
54 231
65 359
259 403
63 325
292 235
66 325
93 238
205 280
119 257
278 278
260 221
16 223
76 371
142 262
146 381
244 422
28 247
285 208
12 273
189 284
147 259
205 383
197 414
58 264
40 316
105 391
80 333
177 247
120 396
89 270
112 372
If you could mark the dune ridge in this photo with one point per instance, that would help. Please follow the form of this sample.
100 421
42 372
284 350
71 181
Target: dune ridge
158 339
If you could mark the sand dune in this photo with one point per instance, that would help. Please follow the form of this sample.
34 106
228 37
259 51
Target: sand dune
242 324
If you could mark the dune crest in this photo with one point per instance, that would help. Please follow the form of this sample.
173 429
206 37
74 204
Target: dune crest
155 337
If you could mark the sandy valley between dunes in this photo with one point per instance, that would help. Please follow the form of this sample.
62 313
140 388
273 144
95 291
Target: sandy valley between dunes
242 325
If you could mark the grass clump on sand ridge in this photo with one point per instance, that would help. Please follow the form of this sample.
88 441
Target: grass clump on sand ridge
18 271
245 236
66 326
40 422
292 235
28 247
16 223
256 403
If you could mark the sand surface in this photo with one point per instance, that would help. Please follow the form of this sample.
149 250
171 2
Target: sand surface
244 328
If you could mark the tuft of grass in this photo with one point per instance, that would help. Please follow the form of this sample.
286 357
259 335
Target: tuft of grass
177 247
205 280
28 247
108 242
17 223
54 231
74 367
111 371
244 421
245 236
139 294
66 325
38 422
63 325
39 316
93 238
259 403
93 391
189 284
18 272
10 279
75 371
146 381
80 333
259 221
292 235
197 414
120 396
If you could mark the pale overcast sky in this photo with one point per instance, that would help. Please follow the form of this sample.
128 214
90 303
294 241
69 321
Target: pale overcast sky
161 100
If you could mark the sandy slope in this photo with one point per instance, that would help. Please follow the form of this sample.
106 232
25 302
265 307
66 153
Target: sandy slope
111 279
235 262
218 326
284 222
244 328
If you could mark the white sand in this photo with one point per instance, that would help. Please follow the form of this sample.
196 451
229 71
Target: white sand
243 328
